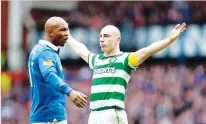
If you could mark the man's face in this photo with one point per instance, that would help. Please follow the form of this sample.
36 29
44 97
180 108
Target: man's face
60 34
108 40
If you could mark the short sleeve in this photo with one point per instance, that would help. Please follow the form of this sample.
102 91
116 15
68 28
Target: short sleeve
91 60
128 66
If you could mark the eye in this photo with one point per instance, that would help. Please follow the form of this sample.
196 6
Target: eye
107 35
63 29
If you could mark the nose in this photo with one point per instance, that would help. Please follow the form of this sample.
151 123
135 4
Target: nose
66 33
101 40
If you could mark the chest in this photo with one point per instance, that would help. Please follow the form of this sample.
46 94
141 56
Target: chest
107 65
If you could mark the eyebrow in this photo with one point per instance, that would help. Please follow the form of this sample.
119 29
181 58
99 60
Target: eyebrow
104 34
64 28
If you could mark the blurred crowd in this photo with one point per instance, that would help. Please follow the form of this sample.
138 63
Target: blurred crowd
138 13
156 94
128 13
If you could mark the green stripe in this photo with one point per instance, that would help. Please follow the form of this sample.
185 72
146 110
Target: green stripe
107 107
109 80
101 57
93 59
106 95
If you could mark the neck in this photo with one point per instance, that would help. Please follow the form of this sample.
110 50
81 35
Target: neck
112 52
49 40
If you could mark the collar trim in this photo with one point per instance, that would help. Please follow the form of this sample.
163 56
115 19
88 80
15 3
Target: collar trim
49 44
118 54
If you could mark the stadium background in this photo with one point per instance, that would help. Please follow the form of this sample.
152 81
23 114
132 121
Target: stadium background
168 88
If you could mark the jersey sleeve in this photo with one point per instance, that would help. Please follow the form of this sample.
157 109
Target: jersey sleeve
48 70
47 62
91 60
128 62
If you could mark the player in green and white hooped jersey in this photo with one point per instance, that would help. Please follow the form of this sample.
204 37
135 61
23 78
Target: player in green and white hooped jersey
112 71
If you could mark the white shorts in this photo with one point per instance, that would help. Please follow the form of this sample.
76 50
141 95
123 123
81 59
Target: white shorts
55 122
109 116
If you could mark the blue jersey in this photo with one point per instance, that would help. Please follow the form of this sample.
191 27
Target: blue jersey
47 85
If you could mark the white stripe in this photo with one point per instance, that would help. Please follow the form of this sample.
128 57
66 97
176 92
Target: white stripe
103 103
118 73
122 58
91 55
32 63
108 88
99 62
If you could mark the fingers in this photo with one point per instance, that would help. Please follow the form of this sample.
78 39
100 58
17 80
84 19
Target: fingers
79 100
182 26
177 26
183 30
78 104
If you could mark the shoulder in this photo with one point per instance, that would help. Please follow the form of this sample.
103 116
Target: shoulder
39 48
45 52
126 53
94 56
100 56
123 56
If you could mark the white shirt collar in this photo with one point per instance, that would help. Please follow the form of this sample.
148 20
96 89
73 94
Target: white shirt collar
49 44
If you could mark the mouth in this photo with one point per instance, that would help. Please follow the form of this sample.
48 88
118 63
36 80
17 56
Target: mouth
65 39
102 45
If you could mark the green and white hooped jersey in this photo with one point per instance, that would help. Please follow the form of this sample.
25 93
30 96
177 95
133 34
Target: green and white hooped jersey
110 79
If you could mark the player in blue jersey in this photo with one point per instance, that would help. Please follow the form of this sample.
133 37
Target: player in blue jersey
45 70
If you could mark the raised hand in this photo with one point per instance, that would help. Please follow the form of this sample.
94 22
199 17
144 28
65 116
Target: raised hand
78 98
177 31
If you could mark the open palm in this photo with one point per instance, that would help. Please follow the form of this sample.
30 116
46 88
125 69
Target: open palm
177 31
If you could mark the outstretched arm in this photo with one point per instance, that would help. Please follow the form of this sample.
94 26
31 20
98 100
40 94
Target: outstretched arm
141 55
79 48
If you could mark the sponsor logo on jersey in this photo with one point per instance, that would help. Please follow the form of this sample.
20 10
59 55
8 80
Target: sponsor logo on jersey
105 70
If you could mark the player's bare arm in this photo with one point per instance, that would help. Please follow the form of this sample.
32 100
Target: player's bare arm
79 48
141 55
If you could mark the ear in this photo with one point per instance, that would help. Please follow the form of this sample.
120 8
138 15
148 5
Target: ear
118 40
50 33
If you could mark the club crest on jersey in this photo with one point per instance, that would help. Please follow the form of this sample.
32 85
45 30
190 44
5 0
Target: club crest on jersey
113 59
48 63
